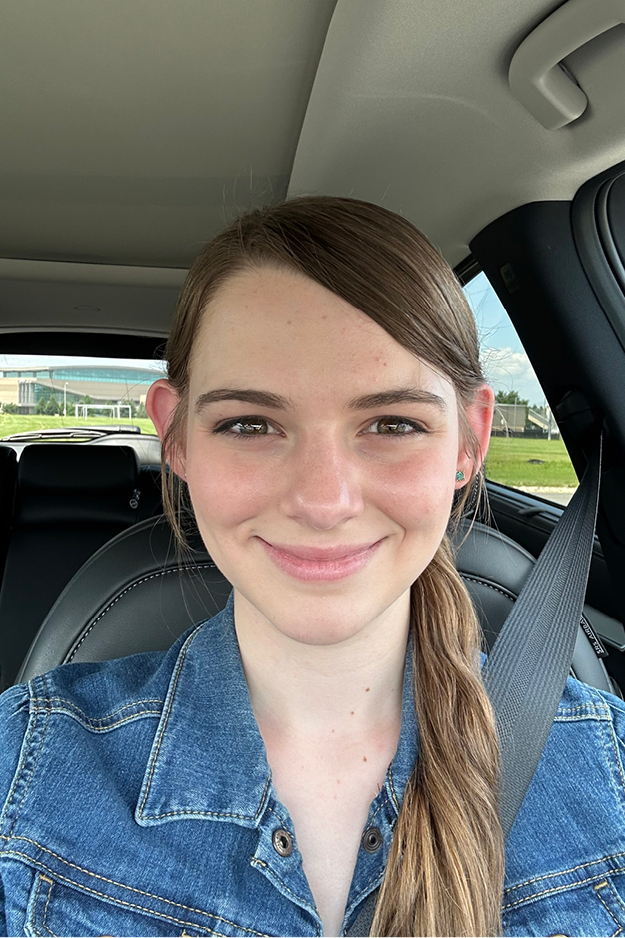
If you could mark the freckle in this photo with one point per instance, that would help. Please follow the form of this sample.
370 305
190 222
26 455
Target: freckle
338 781
332 730
364 758
367 689
352 712
288 322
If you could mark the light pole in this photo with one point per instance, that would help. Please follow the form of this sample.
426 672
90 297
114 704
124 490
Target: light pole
65 400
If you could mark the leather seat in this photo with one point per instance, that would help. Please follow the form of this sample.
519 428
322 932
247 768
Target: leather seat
138 594
69 502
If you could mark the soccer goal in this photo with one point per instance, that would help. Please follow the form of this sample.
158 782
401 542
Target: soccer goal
82 410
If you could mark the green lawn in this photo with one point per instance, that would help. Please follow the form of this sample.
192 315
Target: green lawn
21 423
507 462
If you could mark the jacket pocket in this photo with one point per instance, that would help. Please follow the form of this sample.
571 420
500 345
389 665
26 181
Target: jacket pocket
55 909
590 909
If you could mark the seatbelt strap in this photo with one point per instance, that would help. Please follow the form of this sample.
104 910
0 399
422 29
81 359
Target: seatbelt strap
526 671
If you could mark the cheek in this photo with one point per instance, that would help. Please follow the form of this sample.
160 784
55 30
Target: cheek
418 492
226 490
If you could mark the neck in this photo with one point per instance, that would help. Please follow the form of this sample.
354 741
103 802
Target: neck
348 688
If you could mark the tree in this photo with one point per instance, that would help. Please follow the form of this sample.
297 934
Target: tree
10 409
510 397
52 407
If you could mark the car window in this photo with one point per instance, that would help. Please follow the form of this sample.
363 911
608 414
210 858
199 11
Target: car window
525 450
39 392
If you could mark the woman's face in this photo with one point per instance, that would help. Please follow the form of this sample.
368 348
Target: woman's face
320 455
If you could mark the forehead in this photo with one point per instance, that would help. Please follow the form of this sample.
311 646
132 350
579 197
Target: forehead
276 326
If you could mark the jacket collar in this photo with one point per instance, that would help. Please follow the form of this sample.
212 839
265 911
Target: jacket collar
208 760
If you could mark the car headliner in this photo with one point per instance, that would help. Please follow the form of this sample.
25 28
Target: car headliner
134 129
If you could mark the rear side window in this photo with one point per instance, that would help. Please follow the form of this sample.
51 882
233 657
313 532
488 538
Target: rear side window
526 451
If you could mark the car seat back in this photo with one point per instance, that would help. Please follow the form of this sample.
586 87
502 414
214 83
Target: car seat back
70 501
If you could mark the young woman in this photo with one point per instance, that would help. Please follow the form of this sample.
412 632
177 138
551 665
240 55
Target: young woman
326 411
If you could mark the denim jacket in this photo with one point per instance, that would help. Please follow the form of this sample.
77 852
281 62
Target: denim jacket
136 799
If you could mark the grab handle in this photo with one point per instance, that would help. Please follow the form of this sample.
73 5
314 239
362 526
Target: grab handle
536 78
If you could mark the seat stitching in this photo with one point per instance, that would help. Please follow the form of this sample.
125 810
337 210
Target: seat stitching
491 586
152 576
112 882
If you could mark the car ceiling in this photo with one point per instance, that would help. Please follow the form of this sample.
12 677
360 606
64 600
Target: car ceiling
133 130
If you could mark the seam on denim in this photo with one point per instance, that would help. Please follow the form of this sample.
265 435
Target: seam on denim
617 795
139 908
103 729
572 869
615 895
614 740
179 664
43 879
145 579
273 811
608 910
112 882
25 747
555 889
209 814
134 703
45 911
255 861
31 726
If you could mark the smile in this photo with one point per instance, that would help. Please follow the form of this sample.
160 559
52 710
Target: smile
319 563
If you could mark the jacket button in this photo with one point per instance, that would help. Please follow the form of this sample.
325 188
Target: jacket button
282 842
372 839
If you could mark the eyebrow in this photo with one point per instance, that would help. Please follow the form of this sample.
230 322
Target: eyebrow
278 402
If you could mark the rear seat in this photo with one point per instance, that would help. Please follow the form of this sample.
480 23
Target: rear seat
70 500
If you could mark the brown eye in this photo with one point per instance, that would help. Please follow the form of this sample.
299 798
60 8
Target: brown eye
245 427
396 426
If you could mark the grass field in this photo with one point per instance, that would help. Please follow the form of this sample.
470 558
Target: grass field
22 423
508 462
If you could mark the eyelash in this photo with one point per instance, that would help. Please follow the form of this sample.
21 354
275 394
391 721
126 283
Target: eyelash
226 428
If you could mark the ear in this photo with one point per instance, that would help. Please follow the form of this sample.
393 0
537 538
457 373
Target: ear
161 402
479 416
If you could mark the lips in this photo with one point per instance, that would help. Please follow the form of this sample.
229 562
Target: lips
321 563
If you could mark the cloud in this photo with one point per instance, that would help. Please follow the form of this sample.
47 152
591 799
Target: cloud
507 370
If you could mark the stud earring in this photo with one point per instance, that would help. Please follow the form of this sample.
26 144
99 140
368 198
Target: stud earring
460 476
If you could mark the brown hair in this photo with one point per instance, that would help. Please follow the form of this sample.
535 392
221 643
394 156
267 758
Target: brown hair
445 870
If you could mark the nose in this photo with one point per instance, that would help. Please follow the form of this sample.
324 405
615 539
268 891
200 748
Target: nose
322 484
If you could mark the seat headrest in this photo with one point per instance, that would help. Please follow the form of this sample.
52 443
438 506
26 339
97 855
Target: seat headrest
45 467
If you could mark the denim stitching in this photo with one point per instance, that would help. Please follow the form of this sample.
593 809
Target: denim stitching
181 660
141 908
69 703
255 861
555 889
609 911
113 882
45 911
612 780
573 869
152 576
48 931
103 729
31 723
26 748
240 817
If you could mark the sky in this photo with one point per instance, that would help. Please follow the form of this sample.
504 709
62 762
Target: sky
506 365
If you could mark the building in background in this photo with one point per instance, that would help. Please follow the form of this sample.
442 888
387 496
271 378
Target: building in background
26 386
